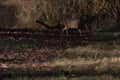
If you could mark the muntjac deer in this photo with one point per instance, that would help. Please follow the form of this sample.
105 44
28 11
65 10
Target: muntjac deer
71 24
74 24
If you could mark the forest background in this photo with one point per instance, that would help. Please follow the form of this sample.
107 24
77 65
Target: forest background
24 13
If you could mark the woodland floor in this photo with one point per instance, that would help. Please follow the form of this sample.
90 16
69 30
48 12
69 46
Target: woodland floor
95 55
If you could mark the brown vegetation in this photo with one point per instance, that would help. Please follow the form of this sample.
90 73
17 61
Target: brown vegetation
23 51
25 13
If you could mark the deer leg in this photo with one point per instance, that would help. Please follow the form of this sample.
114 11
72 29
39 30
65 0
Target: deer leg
63 30
80 32
67 32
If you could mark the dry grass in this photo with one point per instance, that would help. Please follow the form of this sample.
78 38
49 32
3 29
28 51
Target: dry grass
98 50
91 57
96 59
103 57
49 10
27 12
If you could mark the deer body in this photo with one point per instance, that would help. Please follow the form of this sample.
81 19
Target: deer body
71 23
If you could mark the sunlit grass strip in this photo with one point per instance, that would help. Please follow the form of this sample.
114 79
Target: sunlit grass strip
82 64
68 67
99 50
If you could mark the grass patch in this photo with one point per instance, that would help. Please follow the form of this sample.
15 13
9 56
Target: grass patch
45 59
99 50
102 77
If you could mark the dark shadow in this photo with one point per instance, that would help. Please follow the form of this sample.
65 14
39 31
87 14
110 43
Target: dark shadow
110 29
50 38
57 25
57 73
8 15
109 34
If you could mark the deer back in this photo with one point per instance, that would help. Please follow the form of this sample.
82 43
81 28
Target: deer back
71 23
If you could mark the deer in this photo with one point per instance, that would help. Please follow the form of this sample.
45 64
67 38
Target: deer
70 24
80 24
